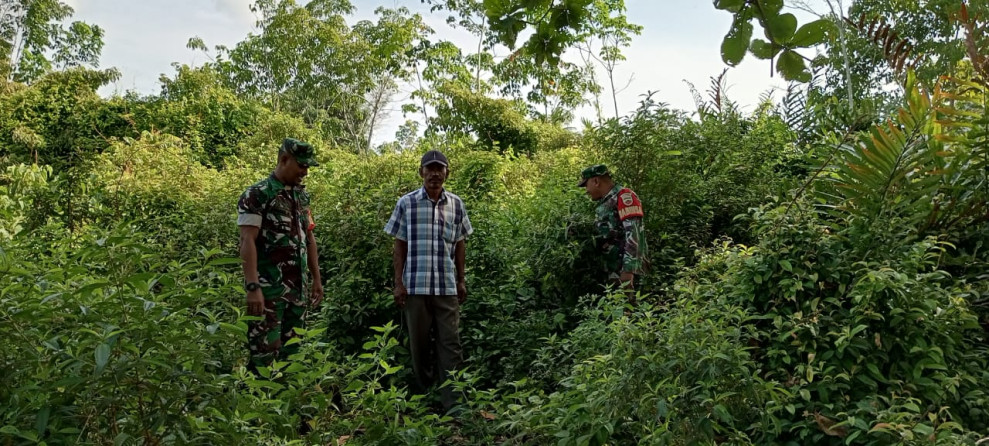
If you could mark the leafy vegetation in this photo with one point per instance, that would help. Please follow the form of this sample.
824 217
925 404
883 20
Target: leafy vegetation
818 265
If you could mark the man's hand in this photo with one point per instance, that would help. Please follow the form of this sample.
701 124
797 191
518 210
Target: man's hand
317 294
461 291
627 280
400 294
255 303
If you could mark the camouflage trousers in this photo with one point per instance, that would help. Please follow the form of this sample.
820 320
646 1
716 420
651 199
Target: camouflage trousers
267 339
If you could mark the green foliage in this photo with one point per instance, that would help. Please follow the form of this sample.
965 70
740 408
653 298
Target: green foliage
17 185
527 259
890 173
872 345
59 119
461 103
695 177
847 307
925 169
783 37
197 108
534 74
259 149
306 60
930 29
679 375
350 210
115 343
498 124
34 40
556 25
103 317
531 259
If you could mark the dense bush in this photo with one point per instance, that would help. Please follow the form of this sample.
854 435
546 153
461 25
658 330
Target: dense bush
679 375
839 308
114 343
881 346
696 176
59 120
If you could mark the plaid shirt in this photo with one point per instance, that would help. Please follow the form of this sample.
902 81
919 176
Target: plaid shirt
432 230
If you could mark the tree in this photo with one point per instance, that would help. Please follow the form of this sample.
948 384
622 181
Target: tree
557 25
614 33
33 39
454 99
308 60
534 73
550 92
435 63
195 106
58 120
469 14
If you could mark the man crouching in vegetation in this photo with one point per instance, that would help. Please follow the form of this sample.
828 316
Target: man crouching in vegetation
430 226
278 248
621 237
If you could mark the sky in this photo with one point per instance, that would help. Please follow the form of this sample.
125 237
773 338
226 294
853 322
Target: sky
680 42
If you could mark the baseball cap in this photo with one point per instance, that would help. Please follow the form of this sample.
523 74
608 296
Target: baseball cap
302 151
434 156
591 172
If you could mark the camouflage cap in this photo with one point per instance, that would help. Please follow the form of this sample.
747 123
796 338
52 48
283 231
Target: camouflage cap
302 151
591 172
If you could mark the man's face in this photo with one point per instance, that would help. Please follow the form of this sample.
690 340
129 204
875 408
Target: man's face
433 175
294 172
595 188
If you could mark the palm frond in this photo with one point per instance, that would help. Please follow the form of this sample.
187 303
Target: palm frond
961 107
895 49
888 170
718 93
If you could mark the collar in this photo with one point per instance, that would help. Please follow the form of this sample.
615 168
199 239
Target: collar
278 185
614 191
422 195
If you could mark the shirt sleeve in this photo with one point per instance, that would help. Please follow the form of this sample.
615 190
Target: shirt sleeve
305 201
396 226
629 205
249 208
465 228
633 259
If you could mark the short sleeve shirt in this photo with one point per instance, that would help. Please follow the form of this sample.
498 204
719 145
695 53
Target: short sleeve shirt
432 230
282 213
621 236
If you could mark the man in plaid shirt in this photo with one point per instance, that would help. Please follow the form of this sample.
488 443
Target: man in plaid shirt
430 226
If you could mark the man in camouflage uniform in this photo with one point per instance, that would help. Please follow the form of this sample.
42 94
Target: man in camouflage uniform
278 249
621 235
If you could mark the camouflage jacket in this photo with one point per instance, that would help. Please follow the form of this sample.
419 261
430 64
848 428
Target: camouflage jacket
282 213
621 236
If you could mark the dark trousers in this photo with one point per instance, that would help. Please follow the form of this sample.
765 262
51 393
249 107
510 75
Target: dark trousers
442 314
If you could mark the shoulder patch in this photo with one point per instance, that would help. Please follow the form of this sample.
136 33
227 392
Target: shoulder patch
628 204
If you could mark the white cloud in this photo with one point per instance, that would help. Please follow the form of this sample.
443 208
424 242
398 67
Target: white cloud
239 10
678 42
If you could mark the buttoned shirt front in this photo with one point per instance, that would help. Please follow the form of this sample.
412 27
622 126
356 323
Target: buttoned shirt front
432 230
